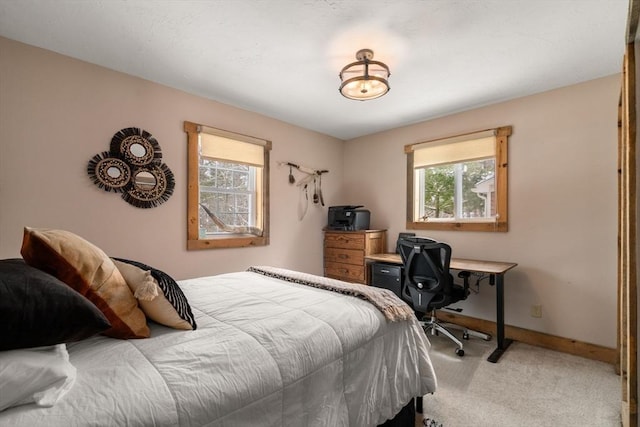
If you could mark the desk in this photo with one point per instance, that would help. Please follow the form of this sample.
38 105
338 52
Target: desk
494 268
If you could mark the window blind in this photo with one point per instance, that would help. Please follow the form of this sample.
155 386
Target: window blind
465 148
215 145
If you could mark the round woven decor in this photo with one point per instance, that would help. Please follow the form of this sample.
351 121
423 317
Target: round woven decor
136 146
109 173
133 167
151 192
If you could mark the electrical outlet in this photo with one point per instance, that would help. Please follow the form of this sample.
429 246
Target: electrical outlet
536 311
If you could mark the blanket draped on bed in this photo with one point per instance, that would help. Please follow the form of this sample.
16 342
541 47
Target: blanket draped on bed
393 308
266 353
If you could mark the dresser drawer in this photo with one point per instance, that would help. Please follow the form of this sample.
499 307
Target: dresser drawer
347 256
344 240
346 272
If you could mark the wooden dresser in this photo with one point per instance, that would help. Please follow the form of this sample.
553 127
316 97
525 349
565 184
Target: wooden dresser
344 253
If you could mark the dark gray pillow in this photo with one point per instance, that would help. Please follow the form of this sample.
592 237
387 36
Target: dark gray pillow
36 309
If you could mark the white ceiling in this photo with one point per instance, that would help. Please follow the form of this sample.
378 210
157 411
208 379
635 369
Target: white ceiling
281 58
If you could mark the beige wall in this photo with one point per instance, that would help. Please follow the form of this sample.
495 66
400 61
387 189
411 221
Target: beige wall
562 205
57 112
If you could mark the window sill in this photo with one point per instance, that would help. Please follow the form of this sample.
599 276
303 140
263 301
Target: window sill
493 226
227 242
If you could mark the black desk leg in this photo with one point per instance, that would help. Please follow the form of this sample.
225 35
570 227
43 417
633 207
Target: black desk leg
503 343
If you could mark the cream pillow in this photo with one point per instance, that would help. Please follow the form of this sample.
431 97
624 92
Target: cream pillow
159 309
141 283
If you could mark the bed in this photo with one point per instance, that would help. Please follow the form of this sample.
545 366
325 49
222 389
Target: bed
271 348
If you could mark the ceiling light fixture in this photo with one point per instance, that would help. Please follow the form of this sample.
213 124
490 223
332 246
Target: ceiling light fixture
364 79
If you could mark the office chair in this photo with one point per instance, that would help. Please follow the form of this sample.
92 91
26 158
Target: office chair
428 285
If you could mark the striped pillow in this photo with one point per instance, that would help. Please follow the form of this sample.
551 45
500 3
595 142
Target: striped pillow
171 307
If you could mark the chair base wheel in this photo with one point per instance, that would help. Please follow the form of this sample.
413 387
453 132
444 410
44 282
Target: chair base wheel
465 336
459 352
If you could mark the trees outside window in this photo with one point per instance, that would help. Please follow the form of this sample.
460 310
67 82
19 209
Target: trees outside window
459 183
228 191
459 190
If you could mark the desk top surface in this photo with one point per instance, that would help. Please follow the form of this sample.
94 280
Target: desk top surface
492 267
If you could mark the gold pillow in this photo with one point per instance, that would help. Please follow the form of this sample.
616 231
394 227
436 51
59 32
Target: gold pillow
87 269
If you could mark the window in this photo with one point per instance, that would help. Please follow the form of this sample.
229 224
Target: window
228 189
459 183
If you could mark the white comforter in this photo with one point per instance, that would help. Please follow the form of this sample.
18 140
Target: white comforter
266 353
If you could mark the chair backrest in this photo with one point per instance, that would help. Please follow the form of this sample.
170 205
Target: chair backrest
427 281
402 236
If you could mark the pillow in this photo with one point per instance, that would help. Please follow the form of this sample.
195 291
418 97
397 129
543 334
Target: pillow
141 282
171 307
87 269
36 309
38 375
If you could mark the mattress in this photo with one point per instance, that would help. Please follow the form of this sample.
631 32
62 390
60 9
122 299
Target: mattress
265 353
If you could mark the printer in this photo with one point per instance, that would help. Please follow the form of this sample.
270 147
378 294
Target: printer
348 218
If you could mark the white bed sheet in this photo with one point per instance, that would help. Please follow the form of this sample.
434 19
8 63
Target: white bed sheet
266 353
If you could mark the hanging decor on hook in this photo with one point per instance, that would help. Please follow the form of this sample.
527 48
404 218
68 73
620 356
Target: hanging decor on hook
292 179
311 177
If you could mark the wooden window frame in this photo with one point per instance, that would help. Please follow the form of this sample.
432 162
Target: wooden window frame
501 223
194 241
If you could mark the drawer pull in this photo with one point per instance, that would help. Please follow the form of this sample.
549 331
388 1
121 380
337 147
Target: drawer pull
384 271
343 256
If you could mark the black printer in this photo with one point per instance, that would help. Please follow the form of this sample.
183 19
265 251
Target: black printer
348 218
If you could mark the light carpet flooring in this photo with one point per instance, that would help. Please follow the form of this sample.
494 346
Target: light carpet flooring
529 386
